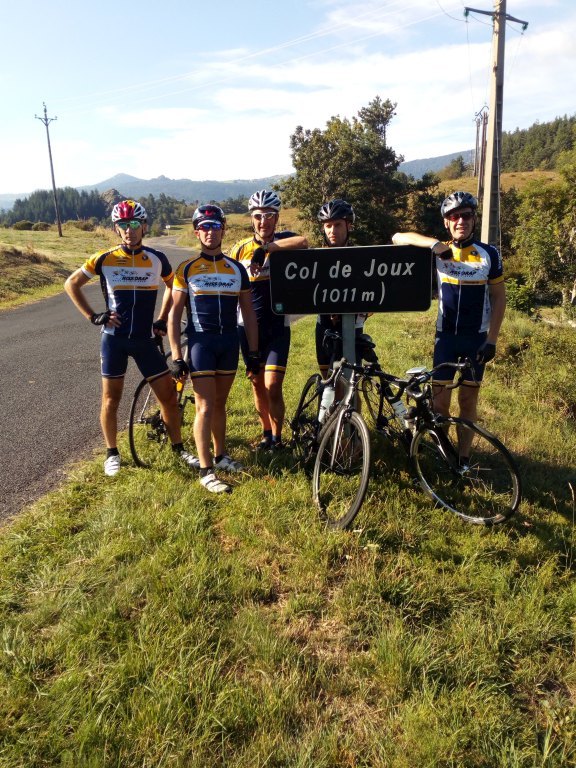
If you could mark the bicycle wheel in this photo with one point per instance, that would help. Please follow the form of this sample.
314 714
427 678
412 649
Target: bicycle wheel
147 433
341 469
484 488
305 424
382 416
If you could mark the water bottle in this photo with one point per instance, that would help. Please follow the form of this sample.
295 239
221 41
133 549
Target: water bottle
399 409
410 419
328 395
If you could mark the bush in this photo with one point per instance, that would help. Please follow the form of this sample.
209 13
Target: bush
22 225
86 225
41 226
520 297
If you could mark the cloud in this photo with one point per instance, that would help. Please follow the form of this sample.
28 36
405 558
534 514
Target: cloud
232 115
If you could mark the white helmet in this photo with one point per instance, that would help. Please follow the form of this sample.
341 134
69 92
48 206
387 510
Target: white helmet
264 198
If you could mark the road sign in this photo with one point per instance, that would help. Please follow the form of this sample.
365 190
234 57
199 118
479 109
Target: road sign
375 278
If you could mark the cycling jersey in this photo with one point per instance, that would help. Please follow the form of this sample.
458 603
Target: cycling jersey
260 284
213 285
463 287
130 280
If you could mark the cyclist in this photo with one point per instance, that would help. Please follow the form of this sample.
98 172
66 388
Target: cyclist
471 302
212 287
130 274
273 330
336 218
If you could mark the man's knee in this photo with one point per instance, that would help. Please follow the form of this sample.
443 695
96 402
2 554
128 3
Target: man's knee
112 393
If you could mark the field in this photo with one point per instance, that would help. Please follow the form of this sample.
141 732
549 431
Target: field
517 179
146 623
35 264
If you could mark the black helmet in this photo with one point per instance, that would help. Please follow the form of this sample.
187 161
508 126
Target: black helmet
208 213
458 200
336 209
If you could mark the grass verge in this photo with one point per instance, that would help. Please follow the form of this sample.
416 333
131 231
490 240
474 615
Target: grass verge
146 623
34 265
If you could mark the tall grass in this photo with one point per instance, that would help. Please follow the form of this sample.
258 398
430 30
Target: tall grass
146 623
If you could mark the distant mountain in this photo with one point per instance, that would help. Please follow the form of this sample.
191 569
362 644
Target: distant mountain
191 191
183 189
8 200
418 168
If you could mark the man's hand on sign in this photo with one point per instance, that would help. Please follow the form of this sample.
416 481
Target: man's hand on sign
257 262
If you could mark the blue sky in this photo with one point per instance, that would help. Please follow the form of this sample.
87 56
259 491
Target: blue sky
214 90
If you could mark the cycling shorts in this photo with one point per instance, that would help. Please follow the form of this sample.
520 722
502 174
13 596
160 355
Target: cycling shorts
449 348
115 351
213 354
273 345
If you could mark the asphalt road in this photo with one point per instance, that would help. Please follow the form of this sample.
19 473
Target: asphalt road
50 391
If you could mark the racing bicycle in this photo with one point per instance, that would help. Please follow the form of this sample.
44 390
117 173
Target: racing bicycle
318 399
460 465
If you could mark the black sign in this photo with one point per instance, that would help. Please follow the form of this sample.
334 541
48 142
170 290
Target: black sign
375 278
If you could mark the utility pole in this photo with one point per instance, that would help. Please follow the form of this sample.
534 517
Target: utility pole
47 120
491 200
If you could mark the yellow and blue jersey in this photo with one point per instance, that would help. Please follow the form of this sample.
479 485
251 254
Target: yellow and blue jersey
213 286
130 281
242 251
463 287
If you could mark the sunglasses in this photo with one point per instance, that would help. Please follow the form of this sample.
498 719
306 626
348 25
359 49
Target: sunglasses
263 216
206 226
466 216
133 224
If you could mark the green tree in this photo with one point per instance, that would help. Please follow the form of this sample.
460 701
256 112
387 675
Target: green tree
351 159
545 237
455 169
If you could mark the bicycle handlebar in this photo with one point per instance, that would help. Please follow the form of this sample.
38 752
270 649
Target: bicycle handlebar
425 376
404 385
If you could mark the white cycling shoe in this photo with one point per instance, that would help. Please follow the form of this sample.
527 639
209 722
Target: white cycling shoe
214 484
227 464
112 465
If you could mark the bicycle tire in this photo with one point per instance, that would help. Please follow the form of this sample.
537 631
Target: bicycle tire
147 433
382 416
486 491
341 469
304 424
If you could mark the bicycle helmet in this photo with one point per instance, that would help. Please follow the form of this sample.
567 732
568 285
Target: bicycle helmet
208 213
128 209
336 209
264 198
458 200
